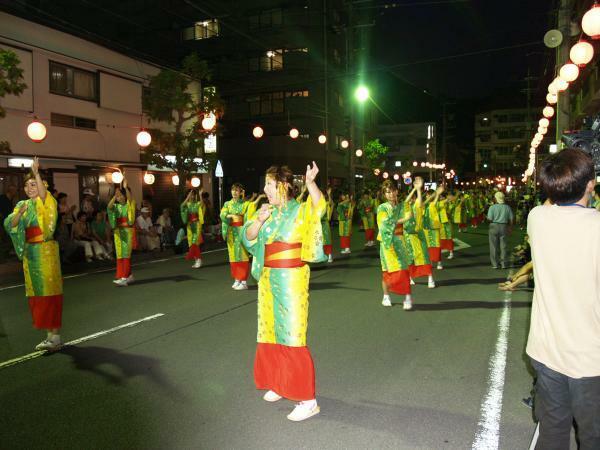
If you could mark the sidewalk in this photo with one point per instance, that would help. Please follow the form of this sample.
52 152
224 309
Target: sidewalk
11 272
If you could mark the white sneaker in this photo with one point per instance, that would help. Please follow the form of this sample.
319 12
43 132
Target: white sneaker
347 251
130 279
197 264
121 282
235 284
431 284
303 411
241 286
49 345
407 305
330 259
271 396
386 301
439 266
116 280
412 282
451 255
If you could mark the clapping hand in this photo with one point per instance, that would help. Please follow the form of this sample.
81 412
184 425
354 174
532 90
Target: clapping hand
418 183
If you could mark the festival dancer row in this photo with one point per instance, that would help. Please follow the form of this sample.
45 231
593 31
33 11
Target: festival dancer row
31 228
282 237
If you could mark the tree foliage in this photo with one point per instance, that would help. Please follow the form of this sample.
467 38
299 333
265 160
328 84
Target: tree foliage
11 83
181 99
375 153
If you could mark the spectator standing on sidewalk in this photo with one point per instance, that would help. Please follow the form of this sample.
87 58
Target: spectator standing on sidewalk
564 335
501 218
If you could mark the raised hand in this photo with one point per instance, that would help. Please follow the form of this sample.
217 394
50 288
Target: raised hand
35 167
418 183
311 173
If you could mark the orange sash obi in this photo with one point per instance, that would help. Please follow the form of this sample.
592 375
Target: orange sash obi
123 222
34 235
281 255
192 217
399 230
237 221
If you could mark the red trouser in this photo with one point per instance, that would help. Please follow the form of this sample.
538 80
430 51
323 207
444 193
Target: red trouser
123 267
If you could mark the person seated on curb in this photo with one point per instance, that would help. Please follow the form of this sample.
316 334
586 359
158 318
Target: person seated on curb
524 274
148 238
82 237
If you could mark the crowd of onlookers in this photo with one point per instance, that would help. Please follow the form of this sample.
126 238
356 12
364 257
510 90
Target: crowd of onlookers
83 231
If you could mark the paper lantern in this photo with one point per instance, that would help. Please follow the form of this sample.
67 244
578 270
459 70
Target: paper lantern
257 132
36 131
581 53
195 182
345 143
175 180
544 122
548 112
359 152
149 178
590 23
551 98
117 177
322 139
386 175
143 138
209 121
569 72
294 133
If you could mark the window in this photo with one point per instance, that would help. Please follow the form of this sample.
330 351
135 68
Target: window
268 103
270 18
201 30
296 94
485 137
271 61
510 133
64 120
73 82
503 151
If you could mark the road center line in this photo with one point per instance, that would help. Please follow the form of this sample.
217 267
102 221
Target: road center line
487 436
37 354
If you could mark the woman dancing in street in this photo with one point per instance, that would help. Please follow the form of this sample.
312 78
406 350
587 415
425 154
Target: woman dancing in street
283 237
232 220
345 212
31 228
192 215
394 254
121 215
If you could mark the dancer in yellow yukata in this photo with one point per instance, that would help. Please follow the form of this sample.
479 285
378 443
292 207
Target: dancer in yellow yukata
431 226
445 207
393 252
192 216
345 212
285 236
121 215
31 228
367 208
232 219
459 214
415 236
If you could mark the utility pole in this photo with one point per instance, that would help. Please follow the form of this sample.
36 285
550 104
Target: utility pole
563 106
326 93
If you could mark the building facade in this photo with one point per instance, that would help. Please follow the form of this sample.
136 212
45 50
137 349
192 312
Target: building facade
502 138
90 100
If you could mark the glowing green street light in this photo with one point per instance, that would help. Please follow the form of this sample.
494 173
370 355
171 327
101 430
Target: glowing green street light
361 94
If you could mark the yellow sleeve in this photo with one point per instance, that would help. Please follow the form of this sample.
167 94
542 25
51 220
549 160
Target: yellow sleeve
47 214
312 231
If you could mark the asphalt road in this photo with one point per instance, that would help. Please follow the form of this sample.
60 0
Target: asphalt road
386 378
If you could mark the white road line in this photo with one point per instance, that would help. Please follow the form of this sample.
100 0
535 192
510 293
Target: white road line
12 362
487 436
111 269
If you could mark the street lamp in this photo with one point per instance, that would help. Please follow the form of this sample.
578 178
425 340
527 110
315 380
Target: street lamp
361 94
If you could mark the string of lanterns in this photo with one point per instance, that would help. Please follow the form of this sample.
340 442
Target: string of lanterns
580 55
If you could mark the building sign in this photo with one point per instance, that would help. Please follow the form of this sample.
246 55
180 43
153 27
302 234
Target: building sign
210 144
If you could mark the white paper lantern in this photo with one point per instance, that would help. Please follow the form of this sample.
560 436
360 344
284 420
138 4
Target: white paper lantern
195 182
294 133
175 180
581 53
209 121
149 178
548 112
258 132
569 72
143 138
322 139
36 131
117 177
552 98
590 23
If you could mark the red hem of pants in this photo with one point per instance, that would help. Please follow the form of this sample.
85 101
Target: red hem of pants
435 254
288 371
447 244
462 225
345 242
46 311
123 268
424 270
240 270
328 249
397 282
193 252
370 234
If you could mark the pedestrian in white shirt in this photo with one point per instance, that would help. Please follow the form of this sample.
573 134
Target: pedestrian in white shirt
564 336
147 236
